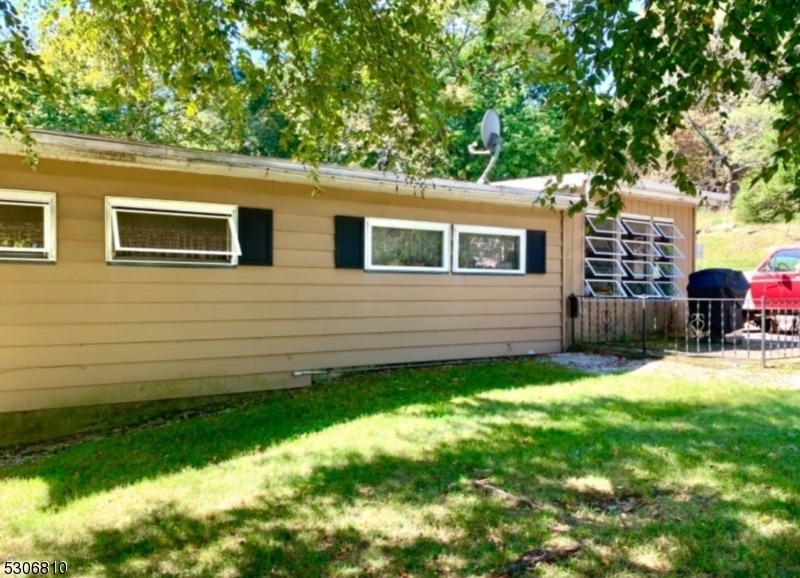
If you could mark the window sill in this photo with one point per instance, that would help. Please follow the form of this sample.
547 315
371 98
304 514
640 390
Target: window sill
177 264
496 272
28 261
407 270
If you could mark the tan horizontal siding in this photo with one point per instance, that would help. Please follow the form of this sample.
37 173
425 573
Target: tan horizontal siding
83 330
142 371
53 397
65 355
37 335
98 271
55 314
67 292
304 241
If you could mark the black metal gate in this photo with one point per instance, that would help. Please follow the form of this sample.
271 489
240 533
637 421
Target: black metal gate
726 328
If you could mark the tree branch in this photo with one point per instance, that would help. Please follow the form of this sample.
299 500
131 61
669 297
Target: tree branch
710 144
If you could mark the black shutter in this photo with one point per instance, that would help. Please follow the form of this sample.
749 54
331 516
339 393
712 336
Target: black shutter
536 252
349 242
255 236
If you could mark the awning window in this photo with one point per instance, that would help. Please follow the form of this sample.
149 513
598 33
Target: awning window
603 246
640 228
668 231
171 232
641 249
609 226
605 267
598 288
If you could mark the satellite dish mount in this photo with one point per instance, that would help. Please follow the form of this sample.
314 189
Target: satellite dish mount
490 134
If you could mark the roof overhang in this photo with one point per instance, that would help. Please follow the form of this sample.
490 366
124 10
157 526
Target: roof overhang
642 189
105 151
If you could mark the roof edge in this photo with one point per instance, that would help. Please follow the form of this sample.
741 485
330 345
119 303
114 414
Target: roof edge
57 145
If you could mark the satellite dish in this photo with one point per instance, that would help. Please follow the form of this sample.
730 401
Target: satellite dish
490 134
490 130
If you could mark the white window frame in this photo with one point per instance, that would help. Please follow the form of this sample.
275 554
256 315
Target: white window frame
656 292
589 260
635 275
677 289
620 253
33 199
180 208
618 229
677 252
677 273
660 224
620 295
414 226
652 233
500 232
654 252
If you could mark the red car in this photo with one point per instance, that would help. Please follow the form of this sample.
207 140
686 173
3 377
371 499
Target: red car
777 279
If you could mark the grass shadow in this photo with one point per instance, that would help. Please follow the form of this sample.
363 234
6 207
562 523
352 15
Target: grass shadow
651 487
98 466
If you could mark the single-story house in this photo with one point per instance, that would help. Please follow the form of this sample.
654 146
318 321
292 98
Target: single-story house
134 271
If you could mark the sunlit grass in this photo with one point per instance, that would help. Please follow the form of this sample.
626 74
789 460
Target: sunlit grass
743 247
373 476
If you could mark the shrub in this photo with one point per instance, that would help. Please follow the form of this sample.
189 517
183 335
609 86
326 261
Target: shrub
770 202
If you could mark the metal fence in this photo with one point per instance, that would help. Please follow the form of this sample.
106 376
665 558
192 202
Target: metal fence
760 330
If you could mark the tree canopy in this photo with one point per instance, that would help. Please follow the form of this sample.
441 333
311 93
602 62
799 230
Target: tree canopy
471 78
633 76
596 85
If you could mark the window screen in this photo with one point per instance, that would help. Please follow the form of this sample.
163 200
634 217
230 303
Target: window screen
407 246
604 246
641 289
605 267
597 288
640 249
639 269
489 250
393 247
639 228
160 232
607 226
668 231
27 226
669 289
669 250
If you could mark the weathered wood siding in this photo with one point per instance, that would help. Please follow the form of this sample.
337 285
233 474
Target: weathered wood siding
84 332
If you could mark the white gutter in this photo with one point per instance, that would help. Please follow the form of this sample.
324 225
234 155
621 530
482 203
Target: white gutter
642 189
98 150
659 192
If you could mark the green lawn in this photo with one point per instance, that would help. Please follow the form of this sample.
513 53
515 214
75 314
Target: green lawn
373 476
742 247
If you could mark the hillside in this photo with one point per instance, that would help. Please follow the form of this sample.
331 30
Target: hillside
729 243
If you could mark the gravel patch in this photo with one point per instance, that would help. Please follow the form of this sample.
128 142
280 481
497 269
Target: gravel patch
697 370
598 363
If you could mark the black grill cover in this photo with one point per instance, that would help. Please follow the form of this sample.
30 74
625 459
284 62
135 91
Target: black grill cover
717 317
720 283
